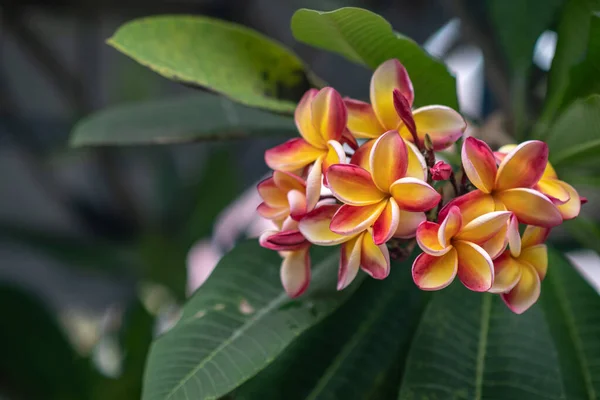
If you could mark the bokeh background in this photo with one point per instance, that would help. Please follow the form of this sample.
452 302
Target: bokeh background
99 247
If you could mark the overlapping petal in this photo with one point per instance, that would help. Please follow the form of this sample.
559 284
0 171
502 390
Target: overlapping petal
513 236
443 125
388 76
434 273
412 194
525 293
271 193
530 206
292 155
417 167
450 226
495 245
534 235
349 261
314 182
388 160
427 239
349 220
314 226
537 257
475 267
523 166
479 164
484 227
329 115
303 119
362 156
274 213
471 205
507 272
554 189
283 241
297 201
572 207
408 224
374 259
362 121
386 225
295 272
353 185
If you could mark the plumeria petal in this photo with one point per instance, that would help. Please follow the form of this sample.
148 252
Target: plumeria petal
507 272
349 220
271 193
353 185
495 245
362 155
443 125
295 272
286 181
572 207
314 226
297 202
471 205
274 213
417 167
554 189
434 273
408 224
288 224
283 241
530 206
525 293
534 235
314 182
479 164
450 226
388 76
349 261
549 172
362 121
349 139
537 257
475 267
303 118
427 239
484 227
329 115
523 166
292 155
388 160
374 259
412 194
513 236
407 127
386 225
335 155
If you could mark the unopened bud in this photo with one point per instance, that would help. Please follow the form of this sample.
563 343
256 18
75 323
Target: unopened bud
441 171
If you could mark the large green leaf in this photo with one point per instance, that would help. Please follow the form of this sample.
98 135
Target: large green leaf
348 355
470 346
366 38
575 137
227 58
573 36
236 324
572 309
185 119
37 360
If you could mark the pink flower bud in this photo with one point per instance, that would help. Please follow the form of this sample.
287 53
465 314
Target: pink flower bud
441 171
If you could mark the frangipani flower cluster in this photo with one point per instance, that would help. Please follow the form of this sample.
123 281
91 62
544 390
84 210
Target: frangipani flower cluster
365 177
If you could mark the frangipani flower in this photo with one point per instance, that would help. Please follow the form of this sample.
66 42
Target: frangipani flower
563 195
452 248
369 121
321 120
521 268
358 250
283 194
386 199
508 186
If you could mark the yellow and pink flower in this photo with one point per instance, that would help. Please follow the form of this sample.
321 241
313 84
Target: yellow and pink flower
508 186
284 195
385 198
369 121
520 269
321 119
454 248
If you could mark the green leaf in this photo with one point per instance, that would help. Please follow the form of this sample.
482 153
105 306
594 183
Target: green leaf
471 346
347 356
236 324
37 360
518 24
179 120
573 36
575 137
366 38
572 309
227 58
